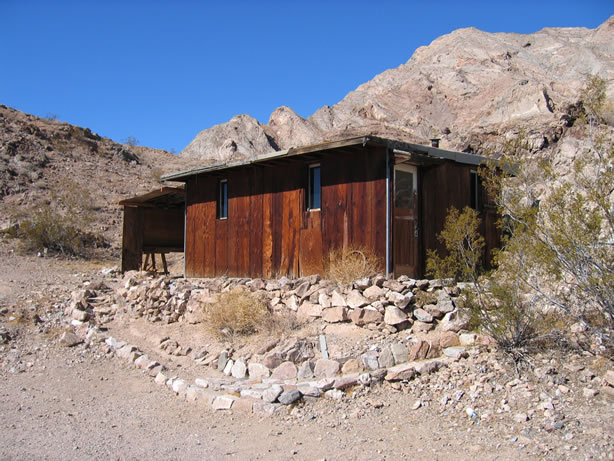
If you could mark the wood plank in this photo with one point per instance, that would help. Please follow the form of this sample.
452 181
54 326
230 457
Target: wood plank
207 233
310 257
277 218
221 247
132 242
267 224
256 226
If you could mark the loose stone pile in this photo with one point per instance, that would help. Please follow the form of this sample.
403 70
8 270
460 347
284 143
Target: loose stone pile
382 305
375 303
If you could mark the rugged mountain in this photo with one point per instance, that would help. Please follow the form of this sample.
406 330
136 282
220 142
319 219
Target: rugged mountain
471 88
41 159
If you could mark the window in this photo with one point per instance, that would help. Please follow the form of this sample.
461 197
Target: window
476 190
313 193
222 199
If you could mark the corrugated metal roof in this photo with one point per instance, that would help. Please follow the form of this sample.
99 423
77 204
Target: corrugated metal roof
434 152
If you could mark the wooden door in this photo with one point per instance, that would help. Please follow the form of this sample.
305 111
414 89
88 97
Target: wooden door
405 226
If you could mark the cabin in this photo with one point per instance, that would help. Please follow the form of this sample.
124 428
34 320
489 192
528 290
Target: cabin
281 213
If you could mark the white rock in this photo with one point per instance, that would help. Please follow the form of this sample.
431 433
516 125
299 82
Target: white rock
239 369
228 367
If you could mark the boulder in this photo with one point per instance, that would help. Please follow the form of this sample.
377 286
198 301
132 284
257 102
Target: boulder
399 352
449 339
324 300
454 321
370 360
347 381
355 300
402 372
285 371
335 314
418 350
337 300
468 339
270 395
394 316
306 370
386 359
422 327
371 316
399 300
290 396
374 292
394 285
69 339
326 368
422 316
239 370
308 311
351 366
258 371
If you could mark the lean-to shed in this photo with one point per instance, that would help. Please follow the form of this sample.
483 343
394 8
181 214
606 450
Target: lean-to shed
153 223
282 213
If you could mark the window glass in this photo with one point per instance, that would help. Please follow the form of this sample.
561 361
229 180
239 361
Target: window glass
475 185
403 189
222 202
314 188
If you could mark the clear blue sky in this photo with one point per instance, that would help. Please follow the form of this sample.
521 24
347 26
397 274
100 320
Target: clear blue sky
161 71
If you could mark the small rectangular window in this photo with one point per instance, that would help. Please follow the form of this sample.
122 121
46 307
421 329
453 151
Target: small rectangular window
476 190
313 194
222 199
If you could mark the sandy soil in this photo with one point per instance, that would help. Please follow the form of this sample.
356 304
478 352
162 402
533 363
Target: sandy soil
82 403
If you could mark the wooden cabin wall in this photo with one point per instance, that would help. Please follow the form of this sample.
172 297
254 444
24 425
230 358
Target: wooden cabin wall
150 229
449 185
163 228
354 201
269 232
132 239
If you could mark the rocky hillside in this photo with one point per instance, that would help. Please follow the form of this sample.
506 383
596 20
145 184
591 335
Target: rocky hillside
471 88
41 159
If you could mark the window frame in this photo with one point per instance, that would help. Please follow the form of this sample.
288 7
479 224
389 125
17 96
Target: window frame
222 199
475 184
310 187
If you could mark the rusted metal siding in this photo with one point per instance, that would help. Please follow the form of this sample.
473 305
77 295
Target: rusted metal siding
269 232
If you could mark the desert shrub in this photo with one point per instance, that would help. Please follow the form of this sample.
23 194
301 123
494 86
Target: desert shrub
60 225
496 305
464 246
236 312
561 224
156 174
131 141
344 265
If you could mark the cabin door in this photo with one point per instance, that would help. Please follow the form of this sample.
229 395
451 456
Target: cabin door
405 226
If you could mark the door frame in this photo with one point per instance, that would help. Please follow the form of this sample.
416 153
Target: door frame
414 271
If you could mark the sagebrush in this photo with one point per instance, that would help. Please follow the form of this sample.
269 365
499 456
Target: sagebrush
240 313
345 265
60 225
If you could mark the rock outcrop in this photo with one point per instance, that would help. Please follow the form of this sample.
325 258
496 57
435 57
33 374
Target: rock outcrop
472 89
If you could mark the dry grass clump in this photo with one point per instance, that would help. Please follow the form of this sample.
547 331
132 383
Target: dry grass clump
348 264
236 312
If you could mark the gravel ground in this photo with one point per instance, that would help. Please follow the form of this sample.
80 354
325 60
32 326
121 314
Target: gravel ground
82 403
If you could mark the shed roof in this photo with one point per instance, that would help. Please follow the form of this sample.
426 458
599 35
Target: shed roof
399 146
165 197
